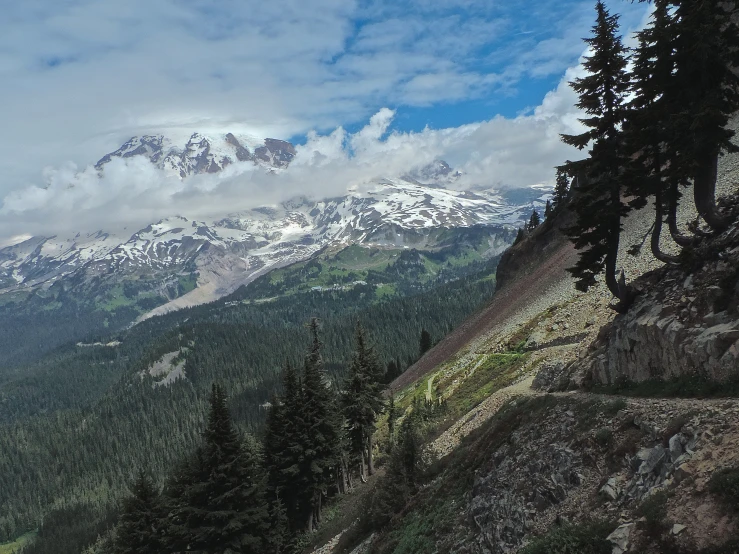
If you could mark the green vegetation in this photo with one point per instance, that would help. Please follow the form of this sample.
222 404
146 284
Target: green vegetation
654 512
725 484
389 271
604 436
494 372
570 539
15 547
95 395
684 386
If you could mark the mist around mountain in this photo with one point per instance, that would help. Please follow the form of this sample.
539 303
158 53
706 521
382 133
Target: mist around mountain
112 277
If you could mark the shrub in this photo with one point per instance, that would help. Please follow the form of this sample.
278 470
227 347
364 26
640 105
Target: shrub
725 485
604 436
629 444
676 424
615 406
589 538
654 511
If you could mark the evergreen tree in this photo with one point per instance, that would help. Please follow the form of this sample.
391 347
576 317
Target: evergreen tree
139 529
322 434
220 504
424 344
706 95
548 210
561 190
285 444
400 480
647 127
392 372
534 221
278 539
519 236
363 401
392 415
598 202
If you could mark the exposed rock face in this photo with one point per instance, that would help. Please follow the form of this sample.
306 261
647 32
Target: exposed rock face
526 477
687 324
277 153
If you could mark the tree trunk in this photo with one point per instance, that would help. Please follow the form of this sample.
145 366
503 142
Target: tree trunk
613 238
309 522
619 290
370 464
677 236
657 230
704 193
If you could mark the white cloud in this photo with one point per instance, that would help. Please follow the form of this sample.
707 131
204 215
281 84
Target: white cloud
82 76
132 192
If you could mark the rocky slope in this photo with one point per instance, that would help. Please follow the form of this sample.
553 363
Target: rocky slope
532 459
686 324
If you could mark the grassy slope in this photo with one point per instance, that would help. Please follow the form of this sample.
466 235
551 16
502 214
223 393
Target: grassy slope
15 546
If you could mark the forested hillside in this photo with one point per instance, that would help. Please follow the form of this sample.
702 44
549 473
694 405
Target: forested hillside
85 404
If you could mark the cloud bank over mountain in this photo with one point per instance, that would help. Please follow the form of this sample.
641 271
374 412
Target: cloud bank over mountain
82 77
498 153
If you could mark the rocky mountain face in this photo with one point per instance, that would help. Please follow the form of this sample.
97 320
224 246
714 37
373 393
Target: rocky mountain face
685 324
204 154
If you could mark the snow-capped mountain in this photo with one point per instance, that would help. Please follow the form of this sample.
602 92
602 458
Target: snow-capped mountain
204 154
234 249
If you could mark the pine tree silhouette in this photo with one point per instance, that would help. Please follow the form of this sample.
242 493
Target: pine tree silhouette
597 203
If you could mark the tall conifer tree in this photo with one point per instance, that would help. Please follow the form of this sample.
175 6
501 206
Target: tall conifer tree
220 504
140 527
647 130
424 343
597 201
561 190
322 438
706 95
285 444
363 400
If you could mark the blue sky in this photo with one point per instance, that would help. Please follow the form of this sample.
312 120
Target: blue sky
82 76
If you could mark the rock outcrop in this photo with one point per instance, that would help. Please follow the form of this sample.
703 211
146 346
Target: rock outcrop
686 324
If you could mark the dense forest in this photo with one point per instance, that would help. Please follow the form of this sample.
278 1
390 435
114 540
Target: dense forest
67 415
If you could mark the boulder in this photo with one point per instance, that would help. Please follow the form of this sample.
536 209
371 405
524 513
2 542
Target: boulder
654 461
676 447
620 538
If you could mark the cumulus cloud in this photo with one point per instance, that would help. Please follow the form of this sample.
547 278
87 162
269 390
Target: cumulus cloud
132 192
92 74
81 76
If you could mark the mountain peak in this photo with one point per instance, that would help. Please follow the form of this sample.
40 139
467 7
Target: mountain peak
204 153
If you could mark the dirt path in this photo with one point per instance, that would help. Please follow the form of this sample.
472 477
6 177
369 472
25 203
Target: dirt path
502 308
429 396
659 409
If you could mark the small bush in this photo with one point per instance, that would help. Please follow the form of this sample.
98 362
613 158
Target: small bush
628 444
654 511
587 538
613 407
604 436
725 485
